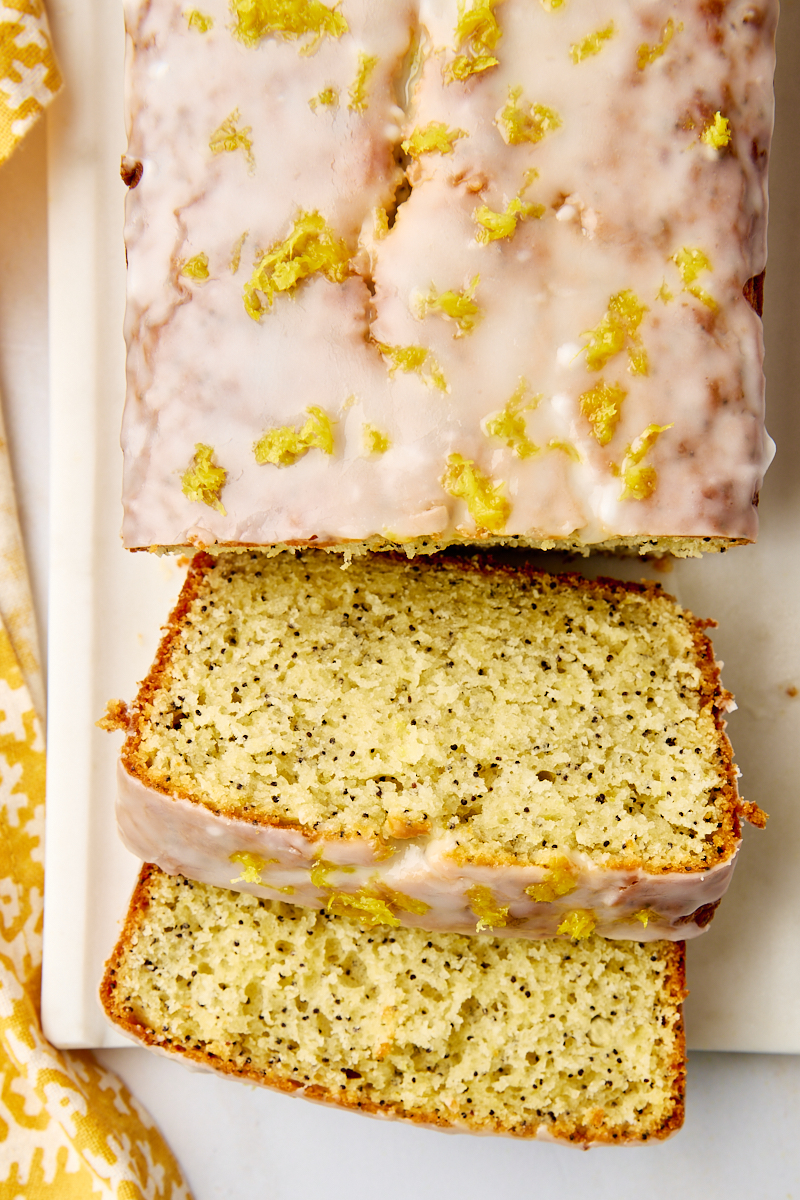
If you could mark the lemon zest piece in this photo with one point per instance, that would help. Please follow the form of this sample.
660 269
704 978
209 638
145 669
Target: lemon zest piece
504 225
198 20
252 866
319 873
358 89
645 915
578 924
616 332
558 880
311 248
464 65
375 440
203 482
601 406
518 124
435 138
321 870
403 358
236 253
553 5
690 264
509 423
490 914
592 44
566 447
664 294
495 225
369 910
284 446
640 480
328 98
412 360
477 33
703 296
717 133
403 902
288 19
648 54
398 900
487 506
638 363
381 223
195 268
640 483
454 306
226 139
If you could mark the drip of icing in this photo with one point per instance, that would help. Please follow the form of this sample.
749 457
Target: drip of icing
419 885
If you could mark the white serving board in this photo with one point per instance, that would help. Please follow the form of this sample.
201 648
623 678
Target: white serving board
106 606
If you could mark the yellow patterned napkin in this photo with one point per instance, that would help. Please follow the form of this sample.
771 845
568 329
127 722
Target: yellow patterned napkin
29 75
69 1129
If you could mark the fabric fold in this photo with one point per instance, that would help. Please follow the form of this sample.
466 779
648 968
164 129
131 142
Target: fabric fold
69 1128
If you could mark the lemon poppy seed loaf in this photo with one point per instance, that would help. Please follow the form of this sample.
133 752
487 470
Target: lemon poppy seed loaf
579 1043
439 272
447 742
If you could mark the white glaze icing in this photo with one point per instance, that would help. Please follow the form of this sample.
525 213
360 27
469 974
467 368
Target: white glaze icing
188 839
624 187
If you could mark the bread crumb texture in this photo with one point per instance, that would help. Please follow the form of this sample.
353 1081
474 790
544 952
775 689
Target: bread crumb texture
495 1036
523 716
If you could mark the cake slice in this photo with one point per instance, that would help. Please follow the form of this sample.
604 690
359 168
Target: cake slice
446 742
433 273
575 1043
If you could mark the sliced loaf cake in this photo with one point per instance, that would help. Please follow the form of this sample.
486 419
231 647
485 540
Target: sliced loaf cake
579 1043
446 742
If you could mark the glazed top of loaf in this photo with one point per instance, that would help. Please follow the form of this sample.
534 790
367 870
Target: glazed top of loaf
445 271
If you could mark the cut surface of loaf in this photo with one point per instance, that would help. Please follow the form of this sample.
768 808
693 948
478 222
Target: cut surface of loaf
583 1043
447 742
460 270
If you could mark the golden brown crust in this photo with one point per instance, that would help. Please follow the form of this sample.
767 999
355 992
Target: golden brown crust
139 904
158 676
701 916
115 717
715 698
131 171
676 991
122 1014
753 292
644 546
752 813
